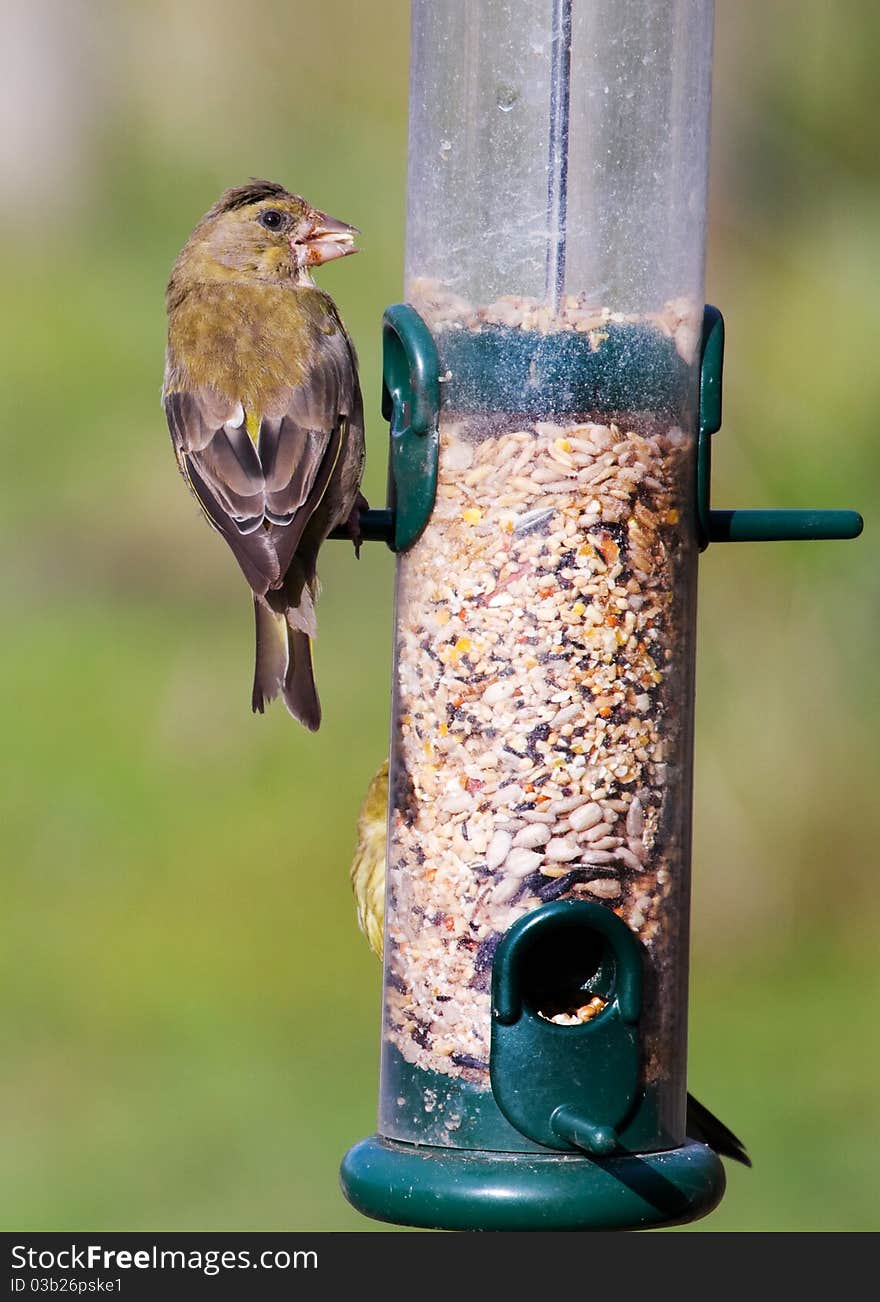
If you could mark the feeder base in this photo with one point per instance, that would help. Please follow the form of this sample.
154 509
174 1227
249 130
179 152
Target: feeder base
458 1189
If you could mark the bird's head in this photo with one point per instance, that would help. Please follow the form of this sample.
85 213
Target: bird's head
261 231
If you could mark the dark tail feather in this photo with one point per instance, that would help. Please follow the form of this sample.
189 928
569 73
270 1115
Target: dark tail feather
298 689
283 663
705 1126
270 662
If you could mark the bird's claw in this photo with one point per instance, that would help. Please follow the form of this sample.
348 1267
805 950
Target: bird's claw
353 523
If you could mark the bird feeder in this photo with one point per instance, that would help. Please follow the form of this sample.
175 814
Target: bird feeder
552 384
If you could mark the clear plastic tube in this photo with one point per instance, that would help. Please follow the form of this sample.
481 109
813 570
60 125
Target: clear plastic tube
542 728
480 145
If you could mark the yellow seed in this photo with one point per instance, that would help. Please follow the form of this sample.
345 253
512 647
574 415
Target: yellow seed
672 516
562 445
463 644
472 515
444 729
578 608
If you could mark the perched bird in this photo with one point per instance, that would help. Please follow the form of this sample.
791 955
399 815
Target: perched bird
368 883
264 407
368 864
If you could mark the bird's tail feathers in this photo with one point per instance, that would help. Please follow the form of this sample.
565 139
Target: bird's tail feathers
270 661
299 691
705 1126
283 665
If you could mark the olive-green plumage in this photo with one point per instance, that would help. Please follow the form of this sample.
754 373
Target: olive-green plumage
368 883
264 407
368 864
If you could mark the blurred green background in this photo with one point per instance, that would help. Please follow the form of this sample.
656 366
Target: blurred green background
190 1016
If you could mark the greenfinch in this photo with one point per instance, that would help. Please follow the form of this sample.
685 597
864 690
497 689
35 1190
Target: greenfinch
368 883
264 407
368 864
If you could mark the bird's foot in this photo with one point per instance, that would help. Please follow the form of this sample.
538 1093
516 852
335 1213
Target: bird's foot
352 525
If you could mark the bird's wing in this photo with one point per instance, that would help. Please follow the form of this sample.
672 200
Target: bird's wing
280 480
299 446
219 462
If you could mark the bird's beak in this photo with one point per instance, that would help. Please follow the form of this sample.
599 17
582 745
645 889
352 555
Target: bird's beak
325 240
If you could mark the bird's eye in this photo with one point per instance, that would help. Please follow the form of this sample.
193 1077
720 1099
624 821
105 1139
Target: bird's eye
271 219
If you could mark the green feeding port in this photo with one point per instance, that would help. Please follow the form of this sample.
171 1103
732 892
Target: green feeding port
566 1056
